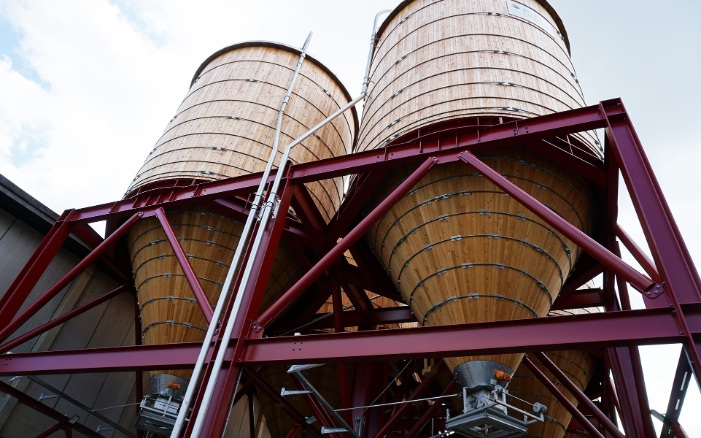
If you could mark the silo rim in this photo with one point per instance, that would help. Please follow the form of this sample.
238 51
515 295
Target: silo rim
553 13
296 51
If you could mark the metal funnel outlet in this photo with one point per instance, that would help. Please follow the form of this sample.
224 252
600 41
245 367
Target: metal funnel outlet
482 374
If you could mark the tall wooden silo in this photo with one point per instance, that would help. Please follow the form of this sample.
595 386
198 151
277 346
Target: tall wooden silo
457 247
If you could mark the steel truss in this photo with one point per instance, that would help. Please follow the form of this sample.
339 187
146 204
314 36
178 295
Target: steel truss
669 285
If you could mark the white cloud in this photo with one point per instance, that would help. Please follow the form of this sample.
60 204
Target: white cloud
99 80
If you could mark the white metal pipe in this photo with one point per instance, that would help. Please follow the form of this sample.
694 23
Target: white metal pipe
266 213
373 41
233 268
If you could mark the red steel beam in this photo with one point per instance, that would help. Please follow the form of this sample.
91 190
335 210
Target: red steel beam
600 330
576 120
185 265
576 414
639 255
61 319
580 238
666 244
63 282
275 310
581 397
568 332
32 271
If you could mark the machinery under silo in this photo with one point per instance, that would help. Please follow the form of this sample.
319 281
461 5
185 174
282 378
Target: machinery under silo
479 201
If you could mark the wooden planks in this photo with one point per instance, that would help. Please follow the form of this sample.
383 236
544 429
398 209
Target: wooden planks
169 312
456 246
226 124
438 60
460 250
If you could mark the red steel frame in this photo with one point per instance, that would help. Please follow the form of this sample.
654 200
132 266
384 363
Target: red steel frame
670 286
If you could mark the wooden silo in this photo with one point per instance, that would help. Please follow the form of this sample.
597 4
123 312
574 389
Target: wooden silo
224 128
456 246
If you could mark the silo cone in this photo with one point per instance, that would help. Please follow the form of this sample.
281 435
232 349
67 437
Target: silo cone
225 128
457 247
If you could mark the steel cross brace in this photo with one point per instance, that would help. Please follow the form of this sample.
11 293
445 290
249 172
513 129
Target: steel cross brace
576 414
49 412
61 319
581 397
22 286
63 282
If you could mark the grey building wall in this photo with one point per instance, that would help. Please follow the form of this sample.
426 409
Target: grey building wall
23 224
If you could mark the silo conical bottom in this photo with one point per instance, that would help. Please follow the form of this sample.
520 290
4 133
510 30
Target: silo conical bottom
462 251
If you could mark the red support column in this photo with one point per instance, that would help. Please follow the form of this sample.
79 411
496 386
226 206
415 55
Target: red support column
270 315
63 282
252 298
676 398
185 265
666 244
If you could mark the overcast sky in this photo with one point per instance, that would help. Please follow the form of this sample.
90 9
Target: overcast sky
86 88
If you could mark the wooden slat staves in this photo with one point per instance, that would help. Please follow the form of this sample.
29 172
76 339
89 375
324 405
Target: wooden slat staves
226 124
169 312
459 249
225 127
445 59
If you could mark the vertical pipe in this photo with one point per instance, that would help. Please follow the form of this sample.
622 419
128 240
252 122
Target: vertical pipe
187 399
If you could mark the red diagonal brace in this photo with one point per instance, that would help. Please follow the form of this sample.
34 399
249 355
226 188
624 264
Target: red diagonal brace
561 397
581 397
295 291
30 274
61 319
642 258
417 393
190 275
56 288
638 280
